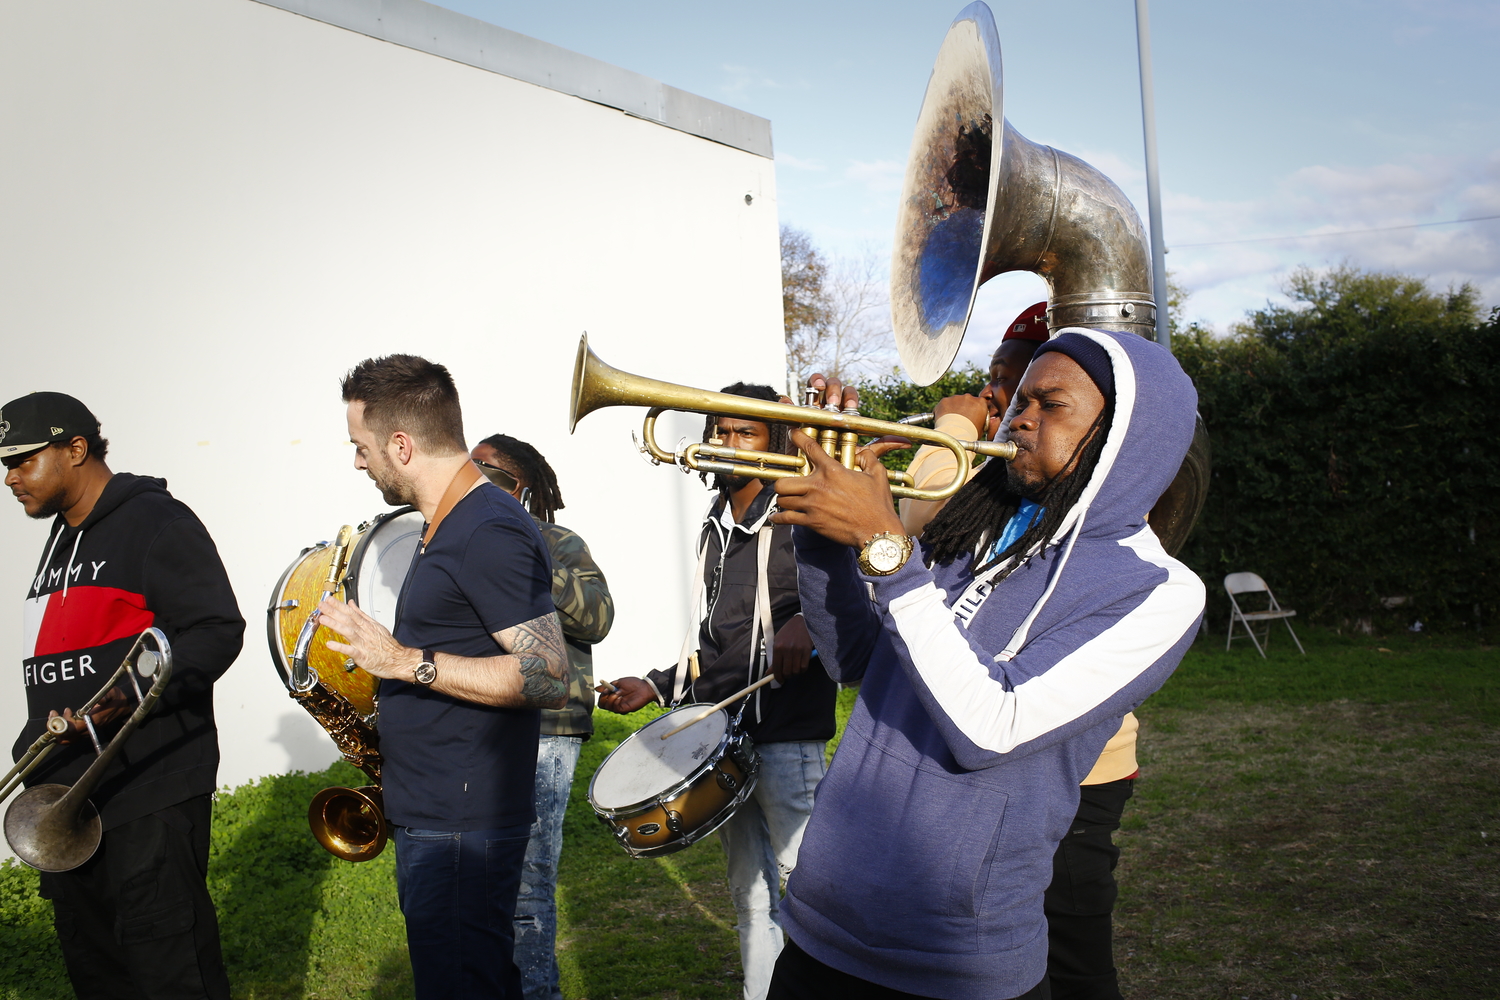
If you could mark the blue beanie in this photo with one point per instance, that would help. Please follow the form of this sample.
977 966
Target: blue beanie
1089 355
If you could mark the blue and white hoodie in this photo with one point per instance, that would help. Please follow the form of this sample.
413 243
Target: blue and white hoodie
980 710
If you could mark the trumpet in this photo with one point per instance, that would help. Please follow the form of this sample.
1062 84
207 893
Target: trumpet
55 828
597 385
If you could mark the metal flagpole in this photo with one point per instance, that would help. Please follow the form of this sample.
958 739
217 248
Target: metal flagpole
1153 182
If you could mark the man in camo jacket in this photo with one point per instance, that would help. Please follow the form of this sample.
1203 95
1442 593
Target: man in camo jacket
586 611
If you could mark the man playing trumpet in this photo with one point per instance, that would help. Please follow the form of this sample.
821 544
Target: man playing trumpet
995 660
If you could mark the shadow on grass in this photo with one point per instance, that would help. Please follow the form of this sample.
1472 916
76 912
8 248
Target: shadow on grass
392 979
266 875
661 927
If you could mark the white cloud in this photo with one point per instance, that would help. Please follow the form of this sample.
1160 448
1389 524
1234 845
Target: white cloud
797 163
879 176
740 79
1227 281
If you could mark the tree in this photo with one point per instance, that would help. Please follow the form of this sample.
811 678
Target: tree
804 305
891 397
836 315
1354 465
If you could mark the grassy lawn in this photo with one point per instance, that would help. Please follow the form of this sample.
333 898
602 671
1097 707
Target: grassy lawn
1319 826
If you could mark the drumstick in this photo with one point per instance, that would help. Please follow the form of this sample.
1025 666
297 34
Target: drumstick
727 701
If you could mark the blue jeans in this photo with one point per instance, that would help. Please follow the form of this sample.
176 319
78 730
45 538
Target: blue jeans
536 906
458 894
760 845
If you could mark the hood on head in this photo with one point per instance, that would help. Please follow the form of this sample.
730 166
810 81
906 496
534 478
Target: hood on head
1155 410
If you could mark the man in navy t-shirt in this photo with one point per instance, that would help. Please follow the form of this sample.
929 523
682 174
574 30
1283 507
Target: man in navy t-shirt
477 651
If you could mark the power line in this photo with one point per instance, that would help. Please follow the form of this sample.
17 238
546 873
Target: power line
1347 232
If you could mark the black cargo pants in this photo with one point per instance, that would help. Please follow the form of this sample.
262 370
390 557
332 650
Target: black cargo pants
135 922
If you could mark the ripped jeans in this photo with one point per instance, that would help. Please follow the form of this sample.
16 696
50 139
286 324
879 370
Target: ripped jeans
536 905
760 844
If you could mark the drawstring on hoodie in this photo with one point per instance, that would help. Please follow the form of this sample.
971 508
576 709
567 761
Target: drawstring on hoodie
36 584
1019 638
47 559
68 571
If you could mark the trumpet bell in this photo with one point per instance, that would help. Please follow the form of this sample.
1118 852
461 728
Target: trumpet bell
51 839
349 822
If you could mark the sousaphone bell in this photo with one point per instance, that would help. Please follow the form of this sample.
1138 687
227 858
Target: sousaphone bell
980 199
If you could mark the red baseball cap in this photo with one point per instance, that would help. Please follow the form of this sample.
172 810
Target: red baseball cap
1030 325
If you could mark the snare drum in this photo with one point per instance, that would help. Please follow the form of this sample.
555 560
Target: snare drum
659 796
378 560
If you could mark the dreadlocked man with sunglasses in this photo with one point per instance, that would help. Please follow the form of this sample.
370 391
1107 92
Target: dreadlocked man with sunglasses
995 662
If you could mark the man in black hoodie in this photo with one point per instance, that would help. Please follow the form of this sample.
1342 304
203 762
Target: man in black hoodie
122 556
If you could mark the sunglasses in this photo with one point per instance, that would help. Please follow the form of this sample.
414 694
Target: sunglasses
504 480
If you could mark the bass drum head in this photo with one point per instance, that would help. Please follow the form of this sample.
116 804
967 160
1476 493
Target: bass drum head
379 563
645 765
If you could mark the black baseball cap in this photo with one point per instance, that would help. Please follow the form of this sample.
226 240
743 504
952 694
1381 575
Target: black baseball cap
40 420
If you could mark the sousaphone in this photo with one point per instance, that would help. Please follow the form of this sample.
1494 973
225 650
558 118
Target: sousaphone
980 199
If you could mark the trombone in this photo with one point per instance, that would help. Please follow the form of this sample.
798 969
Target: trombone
597 385
55 828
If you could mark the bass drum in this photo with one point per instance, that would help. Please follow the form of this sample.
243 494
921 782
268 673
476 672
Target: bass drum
379 557
659 796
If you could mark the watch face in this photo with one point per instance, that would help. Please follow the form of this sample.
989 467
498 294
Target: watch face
426 673
885 553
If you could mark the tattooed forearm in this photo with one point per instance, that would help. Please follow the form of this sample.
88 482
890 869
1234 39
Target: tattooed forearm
538 647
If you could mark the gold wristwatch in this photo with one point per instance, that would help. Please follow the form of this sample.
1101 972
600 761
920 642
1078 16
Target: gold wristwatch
884 554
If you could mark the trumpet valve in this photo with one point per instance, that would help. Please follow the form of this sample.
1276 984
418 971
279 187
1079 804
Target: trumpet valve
829 439
848 441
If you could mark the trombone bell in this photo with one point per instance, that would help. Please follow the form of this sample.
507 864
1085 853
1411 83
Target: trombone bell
48 836
54 828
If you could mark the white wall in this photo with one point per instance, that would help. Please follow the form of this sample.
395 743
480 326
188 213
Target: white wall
213 208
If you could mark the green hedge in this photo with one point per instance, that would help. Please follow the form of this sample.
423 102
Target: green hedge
891 398
1354 452
1355 457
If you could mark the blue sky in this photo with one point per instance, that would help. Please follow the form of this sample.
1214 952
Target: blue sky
1273 119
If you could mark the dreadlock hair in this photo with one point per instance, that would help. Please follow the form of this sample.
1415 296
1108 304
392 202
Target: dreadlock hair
781 442
980 510
545 498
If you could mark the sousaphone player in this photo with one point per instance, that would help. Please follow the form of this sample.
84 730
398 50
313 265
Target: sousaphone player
123 555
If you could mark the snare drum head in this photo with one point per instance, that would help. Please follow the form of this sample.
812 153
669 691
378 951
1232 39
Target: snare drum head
645 765
379 561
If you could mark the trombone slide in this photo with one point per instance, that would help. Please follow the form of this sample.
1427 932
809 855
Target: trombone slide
55 828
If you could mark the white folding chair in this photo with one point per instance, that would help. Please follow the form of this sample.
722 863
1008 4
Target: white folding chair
1249 583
